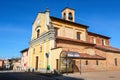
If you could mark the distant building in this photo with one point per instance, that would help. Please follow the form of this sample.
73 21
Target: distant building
6 64
12 64
67 46
1 63
24 59
16 62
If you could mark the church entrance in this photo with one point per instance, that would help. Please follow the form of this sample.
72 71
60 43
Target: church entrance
68 62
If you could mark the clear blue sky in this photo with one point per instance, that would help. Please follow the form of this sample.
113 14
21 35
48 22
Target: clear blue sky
17 16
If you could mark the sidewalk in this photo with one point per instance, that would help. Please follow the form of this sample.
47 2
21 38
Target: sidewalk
4 71
108 75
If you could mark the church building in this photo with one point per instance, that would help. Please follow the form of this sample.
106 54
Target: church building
66 46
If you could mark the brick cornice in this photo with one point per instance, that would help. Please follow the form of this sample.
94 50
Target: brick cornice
74 40
108 48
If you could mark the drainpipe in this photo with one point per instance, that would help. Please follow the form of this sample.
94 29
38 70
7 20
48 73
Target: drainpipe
80 67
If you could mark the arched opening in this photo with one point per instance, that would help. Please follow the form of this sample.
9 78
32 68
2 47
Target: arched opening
72 61
64 16
68 61
38 33
70 17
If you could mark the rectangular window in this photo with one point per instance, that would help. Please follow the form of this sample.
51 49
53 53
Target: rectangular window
115 61
97 62
78 35
86 62
33 50
94 40
40 48
56 31
103 42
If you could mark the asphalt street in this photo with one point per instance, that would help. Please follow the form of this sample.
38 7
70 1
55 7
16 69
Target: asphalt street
20 76
32 76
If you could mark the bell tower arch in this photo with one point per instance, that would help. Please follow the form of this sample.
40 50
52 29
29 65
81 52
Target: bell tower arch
68 14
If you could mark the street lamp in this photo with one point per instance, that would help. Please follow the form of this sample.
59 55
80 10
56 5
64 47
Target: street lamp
47 56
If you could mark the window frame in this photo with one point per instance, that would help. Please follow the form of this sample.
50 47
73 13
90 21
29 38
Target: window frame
64 16
115 61
97 62
86 62
70 16
38 33
78 36
40 48
56 31
103 42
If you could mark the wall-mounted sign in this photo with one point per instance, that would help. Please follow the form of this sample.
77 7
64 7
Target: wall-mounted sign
47 55
73 54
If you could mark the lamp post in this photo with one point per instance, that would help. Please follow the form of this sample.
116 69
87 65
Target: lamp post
67 62
66 65
47 56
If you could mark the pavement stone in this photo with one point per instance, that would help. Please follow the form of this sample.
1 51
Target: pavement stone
106 75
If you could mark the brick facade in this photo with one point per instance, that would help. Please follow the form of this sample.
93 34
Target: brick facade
93 64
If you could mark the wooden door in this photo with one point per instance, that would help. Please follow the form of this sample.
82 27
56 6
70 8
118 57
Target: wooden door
56 64
36 66
74 66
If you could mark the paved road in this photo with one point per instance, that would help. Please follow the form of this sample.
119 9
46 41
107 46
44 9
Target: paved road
105 75
20 76
32 76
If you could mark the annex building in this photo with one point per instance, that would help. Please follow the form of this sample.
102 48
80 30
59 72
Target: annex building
67 46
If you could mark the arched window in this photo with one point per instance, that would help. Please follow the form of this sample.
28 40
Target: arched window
64 16
70 17
38 33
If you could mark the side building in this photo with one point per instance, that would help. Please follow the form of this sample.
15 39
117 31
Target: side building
1 64
67 46
24 59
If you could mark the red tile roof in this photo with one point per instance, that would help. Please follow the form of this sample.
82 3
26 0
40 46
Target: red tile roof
105 48
74 40
88 56
98 35
68 22
108 48
24 50
82 55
